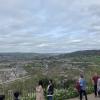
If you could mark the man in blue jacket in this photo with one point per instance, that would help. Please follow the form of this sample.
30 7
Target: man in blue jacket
82 83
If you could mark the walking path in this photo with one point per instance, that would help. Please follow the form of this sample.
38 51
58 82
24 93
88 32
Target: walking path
90 97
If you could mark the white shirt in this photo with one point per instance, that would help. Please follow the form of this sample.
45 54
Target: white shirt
98 84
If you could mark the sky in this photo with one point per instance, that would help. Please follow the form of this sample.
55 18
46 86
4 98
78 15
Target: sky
49 26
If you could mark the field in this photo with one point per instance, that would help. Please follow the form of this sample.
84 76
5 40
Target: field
21 72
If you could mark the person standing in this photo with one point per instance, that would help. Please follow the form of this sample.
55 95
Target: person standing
82 91
98 86
94 82
50 90
16 95
39 91
2 97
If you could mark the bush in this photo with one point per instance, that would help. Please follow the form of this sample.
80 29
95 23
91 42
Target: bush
63 94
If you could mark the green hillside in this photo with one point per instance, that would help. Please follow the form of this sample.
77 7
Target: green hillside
64 69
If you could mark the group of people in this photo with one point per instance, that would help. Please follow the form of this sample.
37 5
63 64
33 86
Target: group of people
40 92
81 86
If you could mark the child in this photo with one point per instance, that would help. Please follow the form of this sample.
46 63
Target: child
16 95
2 97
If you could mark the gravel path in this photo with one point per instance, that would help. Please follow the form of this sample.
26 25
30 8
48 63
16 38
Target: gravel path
90 97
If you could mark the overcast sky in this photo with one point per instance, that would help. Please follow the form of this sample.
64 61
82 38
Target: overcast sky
49 26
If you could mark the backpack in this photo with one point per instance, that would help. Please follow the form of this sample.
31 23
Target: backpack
77 86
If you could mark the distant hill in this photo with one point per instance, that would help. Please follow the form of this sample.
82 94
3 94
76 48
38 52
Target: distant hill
31 56
81 53
24 56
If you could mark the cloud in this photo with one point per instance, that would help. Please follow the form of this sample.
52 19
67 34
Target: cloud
49 25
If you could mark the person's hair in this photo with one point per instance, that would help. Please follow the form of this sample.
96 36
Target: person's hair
82 76
40 83
50 81
16 94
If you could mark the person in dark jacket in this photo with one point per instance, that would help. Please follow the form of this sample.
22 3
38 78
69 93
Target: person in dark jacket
50 90
2 97
16 95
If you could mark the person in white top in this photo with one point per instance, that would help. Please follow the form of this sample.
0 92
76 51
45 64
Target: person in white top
98 86
39 91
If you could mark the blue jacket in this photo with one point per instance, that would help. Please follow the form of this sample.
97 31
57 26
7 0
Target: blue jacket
82 84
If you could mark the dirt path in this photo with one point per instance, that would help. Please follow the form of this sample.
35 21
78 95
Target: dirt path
90 97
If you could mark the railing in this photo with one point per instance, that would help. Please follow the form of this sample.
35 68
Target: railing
24 95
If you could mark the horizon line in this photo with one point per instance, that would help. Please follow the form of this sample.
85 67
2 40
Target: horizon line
53 52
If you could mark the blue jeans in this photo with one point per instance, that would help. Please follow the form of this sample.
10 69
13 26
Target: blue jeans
50 97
